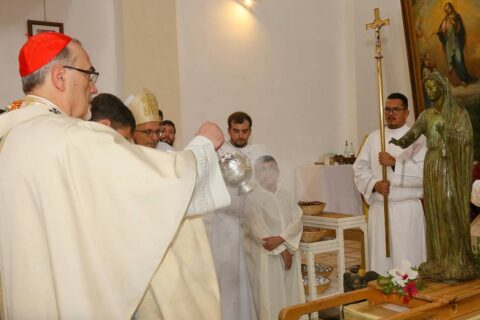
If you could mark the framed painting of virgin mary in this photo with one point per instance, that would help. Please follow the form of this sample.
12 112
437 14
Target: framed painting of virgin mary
443 36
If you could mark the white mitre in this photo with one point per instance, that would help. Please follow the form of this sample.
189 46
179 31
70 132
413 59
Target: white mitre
144 107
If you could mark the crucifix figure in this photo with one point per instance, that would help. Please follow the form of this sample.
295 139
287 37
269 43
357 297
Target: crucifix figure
377 24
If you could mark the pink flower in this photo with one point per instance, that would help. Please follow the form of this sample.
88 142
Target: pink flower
410 289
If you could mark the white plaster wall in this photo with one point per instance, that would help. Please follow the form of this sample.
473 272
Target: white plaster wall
95 22
395 62
303 69
286 63
150 54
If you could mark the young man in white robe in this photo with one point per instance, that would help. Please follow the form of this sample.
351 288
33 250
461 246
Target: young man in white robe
185 283
273 228
86 215
224 229
404 188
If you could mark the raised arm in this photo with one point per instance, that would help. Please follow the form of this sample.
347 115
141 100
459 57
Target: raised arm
412 135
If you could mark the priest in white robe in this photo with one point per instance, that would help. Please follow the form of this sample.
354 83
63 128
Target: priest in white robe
224 229
404 189
87 216
273 228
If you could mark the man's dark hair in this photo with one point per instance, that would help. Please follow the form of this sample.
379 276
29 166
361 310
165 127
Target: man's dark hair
2 111
400 96
239 117
160 113
108 106
169 123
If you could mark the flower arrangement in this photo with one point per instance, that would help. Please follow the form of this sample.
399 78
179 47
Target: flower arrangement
402 281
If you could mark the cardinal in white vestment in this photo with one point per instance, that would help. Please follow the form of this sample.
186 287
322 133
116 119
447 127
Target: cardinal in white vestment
87 216
224 229
404 189
273 228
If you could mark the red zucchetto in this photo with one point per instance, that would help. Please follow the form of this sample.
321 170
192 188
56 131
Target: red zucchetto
40 50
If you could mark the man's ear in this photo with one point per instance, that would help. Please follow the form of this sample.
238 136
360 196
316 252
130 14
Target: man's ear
57 74
106 122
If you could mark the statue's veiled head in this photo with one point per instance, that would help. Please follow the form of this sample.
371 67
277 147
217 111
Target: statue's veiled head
434 89
439 91
436 86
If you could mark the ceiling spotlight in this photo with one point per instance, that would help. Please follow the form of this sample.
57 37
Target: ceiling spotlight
247 3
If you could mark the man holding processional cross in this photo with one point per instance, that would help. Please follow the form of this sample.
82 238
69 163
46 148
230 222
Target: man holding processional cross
390 179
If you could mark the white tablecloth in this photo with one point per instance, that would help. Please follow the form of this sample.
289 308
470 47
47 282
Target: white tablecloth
331 184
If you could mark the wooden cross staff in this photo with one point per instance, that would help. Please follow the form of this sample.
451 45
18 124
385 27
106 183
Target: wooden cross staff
377 24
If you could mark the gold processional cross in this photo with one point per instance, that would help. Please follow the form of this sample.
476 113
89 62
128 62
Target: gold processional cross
376 25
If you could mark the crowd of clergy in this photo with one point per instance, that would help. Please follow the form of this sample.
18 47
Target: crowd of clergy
105 219
108 221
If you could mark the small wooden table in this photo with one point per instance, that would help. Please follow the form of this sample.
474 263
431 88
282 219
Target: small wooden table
310 250
340 222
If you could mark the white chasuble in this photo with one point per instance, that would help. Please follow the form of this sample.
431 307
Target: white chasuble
407 223
185 285
86 216
273 214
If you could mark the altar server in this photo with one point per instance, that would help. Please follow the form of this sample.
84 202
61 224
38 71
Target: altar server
273 228
224 229
404 188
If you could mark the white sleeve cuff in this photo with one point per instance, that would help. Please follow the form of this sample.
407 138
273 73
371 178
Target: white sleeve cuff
210 190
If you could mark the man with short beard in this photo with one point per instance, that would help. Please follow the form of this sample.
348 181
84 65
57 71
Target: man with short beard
403 187
239 130
224 228
168 132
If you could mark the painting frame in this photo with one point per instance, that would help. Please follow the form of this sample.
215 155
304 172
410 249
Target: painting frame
424 24
36 26
413 56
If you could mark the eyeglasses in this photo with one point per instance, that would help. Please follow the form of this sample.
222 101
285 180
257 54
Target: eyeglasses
394 110
92 74
150 132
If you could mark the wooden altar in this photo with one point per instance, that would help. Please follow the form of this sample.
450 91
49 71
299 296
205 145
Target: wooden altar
438 301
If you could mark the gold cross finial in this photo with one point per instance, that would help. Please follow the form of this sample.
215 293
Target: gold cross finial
377 23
